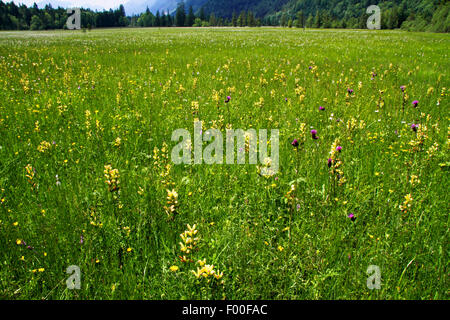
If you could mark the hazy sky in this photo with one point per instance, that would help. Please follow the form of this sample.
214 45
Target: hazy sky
95 4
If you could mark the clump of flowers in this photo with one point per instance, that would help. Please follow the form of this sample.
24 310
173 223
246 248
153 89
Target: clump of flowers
44 146
406 205
30 173
335 164
172 203
117 142
290 198
189 242
260 103
112 178
421 136
314 134
162 164
414 180
194 107
207 272
298 142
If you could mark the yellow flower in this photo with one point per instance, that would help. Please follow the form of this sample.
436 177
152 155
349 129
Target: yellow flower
129 250
201 262
280 248
19 242
174 268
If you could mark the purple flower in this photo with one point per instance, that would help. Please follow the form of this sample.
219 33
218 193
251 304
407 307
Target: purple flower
321 108
81 239
286 99
310 67
228 99
403 88
352 217
415 103
414 127
314 134
338 148
295 143
350 91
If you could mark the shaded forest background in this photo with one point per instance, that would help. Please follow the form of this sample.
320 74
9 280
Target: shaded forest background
412 15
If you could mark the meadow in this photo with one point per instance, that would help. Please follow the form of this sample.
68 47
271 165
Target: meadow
86 176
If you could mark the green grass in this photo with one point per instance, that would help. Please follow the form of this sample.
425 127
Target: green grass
81 91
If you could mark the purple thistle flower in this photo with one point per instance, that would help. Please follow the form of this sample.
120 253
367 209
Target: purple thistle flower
330 162
415 103
314 134
414 127
321 108
352 217
338 148
286 99
295 143
228 99
403 88
350 91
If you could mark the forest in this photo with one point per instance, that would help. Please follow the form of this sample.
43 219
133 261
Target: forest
413 15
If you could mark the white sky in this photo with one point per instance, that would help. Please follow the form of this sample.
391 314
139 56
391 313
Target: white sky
94 4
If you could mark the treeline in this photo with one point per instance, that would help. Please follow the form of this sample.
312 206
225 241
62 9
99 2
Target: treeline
188 18
13 17
413 15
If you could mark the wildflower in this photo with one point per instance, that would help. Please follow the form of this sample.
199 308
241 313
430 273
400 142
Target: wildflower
330 162
189 242
321 108
228 99
129 250
415 103
174 268
112 178
44 146
352 217
314 134
414 127
338 148
350 91
403 88
295 143
407 203
172 203
117 142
